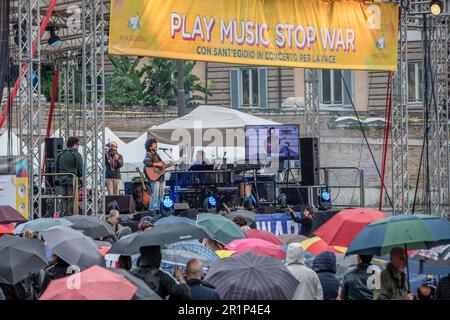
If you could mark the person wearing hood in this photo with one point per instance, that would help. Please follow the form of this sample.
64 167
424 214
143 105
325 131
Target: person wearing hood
200 289
57 270
309 287
159 281
355 281
325 266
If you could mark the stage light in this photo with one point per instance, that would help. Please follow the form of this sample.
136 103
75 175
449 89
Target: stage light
167 203
436 7
54 40
212 201
326 196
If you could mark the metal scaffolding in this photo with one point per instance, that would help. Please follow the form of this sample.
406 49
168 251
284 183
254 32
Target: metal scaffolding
400 174
29 113
312 106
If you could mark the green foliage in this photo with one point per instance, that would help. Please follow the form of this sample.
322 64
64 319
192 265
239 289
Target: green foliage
153 85
126 86
47 78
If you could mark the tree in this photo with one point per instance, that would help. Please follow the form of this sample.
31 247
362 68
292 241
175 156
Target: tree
126 85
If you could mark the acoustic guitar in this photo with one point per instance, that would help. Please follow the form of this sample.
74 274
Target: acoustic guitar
154 173
144 193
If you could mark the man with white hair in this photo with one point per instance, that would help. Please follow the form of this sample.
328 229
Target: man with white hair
309 287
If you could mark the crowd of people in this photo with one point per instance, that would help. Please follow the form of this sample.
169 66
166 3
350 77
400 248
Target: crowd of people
316 282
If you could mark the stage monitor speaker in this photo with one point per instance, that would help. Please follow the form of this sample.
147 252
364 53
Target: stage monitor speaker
125 204
310 162
53 146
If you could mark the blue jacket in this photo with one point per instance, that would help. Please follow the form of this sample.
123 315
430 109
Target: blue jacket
325 267
202 290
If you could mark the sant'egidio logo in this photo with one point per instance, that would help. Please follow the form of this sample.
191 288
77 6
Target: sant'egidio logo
133 23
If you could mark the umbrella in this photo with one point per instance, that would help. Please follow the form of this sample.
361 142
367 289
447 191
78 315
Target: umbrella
437 256
10 215
173 219
19 258
195 247
411 232
316 246
143 290
158 236
249 216
172 258
249 276
290 238
259 246
5 230
103 250
91 226
222 229
73 247
264 235
42 224
95 283
225 253
343 227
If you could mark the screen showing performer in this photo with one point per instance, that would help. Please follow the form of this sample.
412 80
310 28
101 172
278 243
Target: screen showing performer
267 141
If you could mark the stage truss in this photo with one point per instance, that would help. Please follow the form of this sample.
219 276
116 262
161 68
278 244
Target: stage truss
83 27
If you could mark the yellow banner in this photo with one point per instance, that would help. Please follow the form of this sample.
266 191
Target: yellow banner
346 34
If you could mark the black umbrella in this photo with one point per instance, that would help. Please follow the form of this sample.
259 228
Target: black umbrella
250 276
91 226
158 236
19 257
10 215
143 292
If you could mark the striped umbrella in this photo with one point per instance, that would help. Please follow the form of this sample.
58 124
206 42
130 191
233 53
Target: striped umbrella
249 276
195 247
316 246
438 256
179 258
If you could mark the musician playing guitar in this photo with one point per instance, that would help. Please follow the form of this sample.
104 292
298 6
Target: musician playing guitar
157 167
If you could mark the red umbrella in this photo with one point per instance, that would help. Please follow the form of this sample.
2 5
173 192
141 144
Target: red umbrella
10 215
259 246
264 235
104 250
341 229
5 230
94 283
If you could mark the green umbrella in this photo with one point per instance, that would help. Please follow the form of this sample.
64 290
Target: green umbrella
222 229
42 224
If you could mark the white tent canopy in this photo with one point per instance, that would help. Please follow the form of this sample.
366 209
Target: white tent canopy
4 144
216 130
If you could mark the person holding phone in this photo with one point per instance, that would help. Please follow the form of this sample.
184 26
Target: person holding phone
306 221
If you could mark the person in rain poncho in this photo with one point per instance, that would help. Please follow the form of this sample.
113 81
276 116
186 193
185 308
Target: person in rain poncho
309 287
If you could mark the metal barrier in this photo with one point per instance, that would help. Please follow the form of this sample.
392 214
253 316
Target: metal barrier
57 197
360 186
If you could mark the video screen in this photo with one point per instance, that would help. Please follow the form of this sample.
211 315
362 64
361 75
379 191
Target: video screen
262 143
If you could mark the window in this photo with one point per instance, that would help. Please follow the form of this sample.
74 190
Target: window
248 87
414 81
332 88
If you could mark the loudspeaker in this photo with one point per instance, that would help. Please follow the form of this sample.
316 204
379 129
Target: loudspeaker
310 163
53 146
124 203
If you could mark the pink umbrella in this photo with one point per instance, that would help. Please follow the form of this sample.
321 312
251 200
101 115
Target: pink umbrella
264 235
257 246
341 229
94 283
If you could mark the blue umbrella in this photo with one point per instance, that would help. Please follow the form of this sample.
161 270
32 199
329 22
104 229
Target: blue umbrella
195 247
174 219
